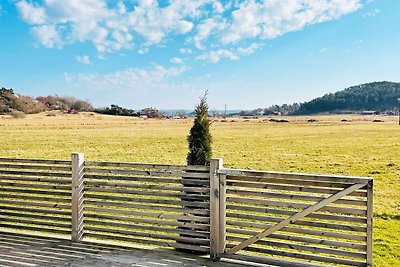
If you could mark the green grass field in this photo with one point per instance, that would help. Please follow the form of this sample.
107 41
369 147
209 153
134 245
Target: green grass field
328 146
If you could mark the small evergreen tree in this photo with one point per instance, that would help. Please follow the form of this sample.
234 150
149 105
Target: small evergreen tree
199 138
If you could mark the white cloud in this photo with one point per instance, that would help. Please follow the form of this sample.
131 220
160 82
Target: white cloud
129 77
83 59
176 60
271 18
247 51
143 50
372 13
131 86
222 29
48 36
215 56
185 51
31 13
205 29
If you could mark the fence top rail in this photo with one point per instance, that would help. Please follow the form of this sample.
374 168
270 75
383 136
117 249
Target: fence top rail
294 175
148 166
36 161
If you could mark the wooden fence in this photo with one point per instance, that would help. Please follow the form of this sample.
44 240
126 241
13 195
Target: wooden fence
283 219
35 195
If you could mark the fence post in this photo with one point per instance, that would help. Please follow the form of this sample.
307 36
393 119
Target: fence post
215 164
222 214
78 171
370 195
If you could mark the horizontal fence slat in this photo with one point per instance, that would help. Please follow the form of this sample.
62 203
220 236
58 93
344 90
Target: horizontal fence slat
295 205
148 227
293 197
152 214
35 185
303 239
144 186
39 192
305 256
41 211
151 179
321 216
295 176
147 193
36 216
192 240
52 174
149 173
37 161
36 204
290 188
148 200
337 226
30 197
35 167
198 212
301 230
5 219
289 182
146 241
185 224
35 228
148 166
36 179
301 247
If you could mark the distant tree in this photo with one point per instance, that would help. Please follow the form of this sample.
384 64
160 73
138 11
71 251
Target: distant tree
151 113
116 110
65 103
199 139
214 113
181 113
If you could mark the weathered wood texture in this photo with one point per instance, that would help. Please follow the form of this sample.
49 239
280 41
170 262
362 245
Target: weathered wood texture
302 219
151 204
77 211
266 217
215 199
24 250
35 196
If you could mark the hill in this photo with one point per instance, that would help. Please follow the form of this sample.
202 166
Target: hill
376 96
13 102
10 101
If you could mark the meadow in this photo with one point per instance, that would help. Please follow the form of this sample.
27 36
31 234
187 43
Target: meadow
358 147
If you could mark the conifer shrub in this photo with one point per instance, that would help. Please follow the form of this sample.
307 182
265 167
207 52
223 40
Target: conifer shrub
199 139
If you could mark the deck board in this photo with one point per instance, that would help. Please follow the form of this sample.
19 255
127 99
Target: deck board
23 250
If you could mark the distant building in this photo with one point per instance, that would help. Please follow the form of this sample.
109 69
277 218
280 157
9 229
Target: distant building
150 113
369 112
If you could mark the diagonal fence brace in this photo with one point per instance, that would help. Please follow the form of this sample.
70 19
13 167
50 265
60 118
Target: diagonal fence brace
294 218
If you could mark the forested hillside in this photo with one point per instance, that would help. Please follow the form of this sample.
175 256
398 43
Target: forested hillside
377 96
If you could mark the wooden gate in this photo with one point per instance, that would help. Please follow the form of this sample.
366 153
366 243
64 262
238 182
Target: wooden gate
290 219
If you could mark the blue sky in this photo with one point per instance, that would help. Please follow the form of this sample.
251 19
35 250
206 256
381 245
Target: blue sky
165 54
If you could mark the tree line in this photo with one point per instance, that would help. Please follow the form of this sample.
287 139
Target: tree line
376 96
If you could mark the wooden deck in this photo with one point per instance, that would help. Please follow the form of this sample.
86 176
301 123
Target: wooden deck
21 250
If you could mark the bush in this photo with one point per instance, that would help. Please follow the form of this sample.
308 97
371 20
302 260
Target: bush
200 138
17 114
